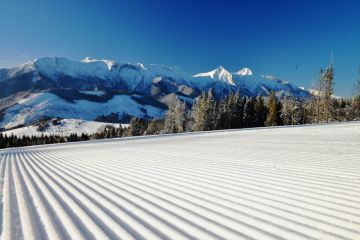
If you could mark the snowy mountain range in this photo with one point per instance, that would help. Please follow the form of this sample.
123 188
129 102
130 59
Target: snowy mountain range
106 90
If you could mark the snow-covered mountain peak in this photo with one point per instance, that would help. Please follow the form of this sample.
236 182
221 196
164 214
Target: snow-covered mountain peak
219 70
244 72
220 73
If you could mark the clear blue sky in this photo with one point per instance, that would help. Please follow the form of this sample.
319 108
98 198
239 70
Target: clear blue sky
288 39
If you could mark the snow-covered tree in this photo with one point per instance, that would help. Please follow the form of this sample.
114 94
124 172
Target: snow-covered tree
322 100
197 113
204 112
175 117
328 110
170 116
211 113
291 111
355 104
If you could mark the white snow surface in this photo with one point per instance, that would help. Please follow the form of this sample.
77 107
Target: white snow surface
65 128
36 105
275 183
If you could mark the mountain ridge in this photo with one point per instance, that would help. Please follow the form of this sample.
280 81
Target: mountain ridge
144 88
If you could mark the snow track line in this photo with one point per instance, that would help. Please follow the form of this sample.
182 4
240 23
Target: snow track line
30 228
166 179
84 223
199 179
70 229
184 162
46 216
80 199
10 218
251 177
111 187
280 183
2 181
258 213
78 177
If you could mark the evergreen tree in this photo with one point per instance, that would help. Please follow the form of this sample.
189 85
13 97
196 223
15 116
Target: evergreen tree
62 139
278 113
204 112
260 112
291 111
2 141
355 103
211 115
322 105
315 105
119 131
72 138
180 116
170 116
198 114
327 101
249 113
155 127
272 116
229 110
84 137
52 139
355 108
109 131
237 116
100 134
137 127
175 118
223 113
6 141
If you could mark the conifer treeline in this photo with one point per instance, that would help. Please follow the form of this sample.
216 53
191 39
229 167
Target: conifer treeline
14 141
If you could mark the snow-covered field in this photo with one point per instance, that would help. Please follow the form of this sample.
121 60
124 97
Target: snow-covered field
31 108
278 183
65 128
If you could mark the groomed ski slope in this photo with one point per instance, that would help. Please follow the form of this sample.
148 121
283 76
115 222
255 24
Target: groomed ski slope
277 183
